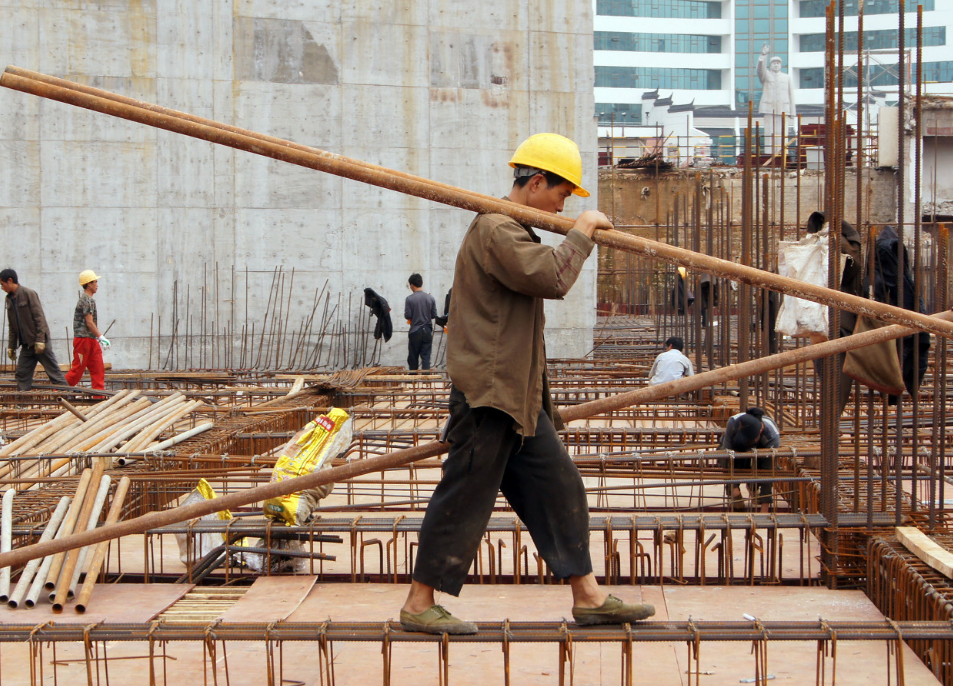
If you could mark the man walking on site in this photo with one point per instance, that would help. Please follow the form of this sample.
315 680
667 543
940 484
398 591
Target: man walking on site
88 342
502 426
28 332
672 364
420 309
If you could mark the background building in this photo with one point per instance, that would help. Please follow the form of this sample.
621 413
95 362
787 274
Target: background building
705 52
188 235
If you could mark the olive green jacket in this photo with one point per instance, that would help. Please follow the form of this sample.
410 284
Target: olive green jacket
31 318
496 355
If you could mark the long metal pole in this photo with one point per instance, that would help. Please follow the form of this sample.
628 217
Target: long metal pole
468 200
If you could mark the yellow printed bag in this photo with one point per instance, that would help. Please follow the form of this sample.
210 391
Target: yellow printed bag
309 450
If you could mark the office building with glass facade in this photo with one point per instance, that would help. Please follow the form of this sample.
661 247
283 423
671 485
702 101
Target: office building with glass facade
706 52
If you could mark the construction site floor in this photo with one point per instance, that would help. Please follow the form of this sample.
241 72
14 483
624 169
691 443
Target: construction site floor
416 664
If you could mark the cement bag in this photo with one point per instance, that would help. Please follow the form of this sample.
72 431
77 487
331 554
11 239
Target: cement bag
201 544
310 450
804 260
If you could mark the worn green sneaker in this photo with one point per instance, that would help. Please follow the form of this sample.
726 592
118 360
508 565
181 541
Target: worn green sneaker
436 620
612 611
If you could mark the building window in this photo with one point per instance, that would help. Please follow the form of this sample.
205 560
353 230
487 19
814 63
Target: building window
879 75
656 42
617 114
877 40
658 77
674 9
818 8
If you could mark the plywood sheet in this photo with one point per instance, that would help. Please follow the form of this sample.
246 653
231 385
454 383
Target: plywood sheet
112 603
270 599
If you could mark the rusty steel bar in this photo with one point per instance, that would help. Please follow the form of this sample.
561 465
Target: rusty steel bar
490 632
237 499
423 188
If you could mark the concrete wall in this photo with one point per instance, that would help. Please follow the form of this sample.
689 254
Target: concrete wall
438 88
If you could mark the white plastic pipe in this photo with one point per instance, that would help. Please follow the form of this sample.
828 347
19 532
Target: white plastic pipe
6 540
43 572
29 572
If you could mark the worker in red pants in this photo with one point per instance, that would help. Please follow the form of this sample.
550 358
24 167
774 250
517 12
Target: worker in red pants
88 341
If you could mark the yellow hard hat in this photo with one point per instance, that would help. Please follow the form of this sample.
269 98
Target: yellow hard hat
86 276
553 153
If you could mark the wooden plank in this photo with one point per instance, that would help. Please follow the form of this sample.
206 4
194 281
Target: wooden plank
270 599
926 549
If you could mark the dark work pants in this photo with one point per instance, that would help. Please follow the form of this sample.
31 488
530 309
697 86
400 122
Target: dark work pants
419 343
26 365
535 474
743 463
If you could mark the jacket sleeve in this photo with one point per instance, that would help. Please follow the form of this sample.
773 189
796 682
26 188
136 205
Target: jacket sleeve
530 268
39 319
11 335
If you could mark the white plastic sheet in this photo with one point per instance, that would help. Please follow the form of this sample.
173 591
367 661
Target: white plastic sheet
804 260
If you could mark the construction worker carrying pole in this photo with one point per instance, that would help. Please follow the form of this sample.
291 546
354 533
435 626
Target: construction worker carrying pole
502 425
88 341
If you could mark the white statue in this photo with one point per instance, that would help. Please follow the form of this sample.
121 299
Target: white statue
777 98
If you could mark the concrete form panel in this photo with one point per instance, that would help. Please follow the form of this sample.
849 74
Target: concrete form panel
19 117
384 54
392 240
119 42
185 240
490 61
385 117
94 238
555 16
493 15
482 169
560 63
22 254
78 174
304 239
395 13
20 173
301 10
184 31
503 120
286 51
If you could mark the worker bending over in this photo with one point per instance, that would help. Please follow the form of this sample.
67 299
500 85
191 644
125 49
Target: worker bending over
502 425
88 342
672 364
28 332
747 431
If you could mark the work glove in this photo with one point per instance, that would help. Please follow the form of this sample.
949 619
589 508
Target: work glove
12 354
40 348
104 342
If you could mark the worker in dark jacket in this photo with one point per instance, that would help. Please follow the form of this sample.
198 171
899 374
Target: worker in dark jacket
28 332
747 431
502 427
